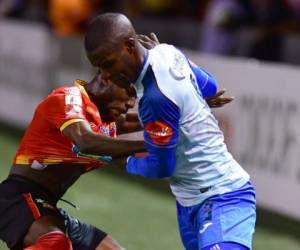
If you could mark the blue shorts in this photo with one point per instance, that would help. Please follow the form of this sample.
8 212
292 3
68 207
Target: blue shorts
229 217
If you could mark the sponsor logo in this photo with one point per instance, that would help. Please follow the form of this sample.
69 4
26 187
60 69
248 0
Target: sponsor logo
205 226
37 165
104 130
108 130
159 132
215 247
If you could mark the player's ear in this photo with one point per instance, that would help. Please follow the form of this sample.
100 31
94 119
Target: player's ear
104 83
130 45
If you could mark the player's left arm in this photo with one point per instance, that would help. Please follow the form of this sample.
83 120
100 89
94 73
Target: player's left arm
206 82
128 123
209 88
161 132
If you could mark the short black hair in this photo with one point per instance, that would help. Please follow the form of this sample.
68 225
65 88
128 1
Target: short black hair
105 31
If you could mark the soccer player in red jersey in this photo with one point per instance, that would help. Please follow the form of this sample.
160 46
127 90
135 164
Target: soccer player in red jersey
68 126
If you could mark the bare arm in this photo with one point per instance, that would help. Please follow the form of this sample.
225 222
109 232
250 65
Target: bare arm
89 142
128 124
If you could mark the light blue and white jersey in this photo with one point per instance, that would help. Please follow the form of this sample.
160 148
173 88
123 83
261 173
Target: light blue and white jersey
182 136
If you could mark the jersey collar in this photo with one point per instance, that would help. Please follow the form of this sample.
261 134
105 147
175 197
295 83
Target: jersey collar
138 82
80 84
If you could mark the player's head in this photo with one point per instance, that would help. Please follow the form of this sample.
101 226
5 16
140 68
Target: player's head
112 46
111 100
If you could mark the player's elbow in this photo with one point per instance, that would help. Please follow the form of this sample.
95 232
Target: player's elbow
161 169
85 145
211 88
152 167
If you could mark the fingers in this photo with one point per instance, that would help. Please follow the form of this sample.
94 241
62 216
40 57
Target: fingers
151 37
218 101
148 42
154 37
220 92
143 37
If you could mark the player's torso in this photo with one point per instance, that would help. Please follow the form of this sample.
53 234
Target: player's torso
202 159
44 144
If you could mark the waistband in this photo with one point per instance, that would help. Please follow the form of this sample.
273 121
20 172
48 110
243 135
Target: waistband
20 184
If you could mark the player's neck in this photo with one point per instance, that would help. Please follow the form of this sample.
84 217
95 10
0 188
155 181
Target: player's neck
140 58
142 52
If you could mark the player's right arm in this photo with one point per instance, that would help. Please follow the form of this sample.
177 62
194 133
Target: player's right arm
89 142
64 110
161 133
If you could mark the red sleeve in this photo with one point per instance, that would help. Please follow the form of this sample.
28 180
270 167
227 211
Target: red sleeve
64 107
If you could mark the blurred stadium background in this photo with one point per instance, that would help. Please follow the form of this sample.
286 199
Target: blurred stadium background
253 49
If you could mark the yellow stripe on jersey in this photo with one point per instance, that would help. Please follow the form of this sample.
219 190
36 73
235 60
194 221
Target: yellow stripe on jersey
22 159
69 122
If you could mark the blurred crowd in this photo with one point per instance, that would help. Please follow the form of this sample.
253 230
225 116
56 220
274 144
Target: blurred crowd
219 19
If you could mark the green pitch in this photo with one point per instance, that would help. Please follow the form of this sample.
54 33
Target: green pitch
139 217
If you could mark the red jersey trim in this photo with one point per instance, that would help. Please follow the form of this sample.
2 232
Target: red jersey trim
34 209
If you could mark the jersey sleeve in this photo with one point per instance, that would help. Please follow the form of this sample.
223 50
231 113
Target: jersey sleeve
206 82
160 118
64 108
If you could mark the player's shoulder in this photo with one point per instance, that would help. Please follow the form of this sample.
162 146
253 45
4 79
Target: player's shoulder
171 71
164 51
65 93
66 90
168 61
61 97
163 47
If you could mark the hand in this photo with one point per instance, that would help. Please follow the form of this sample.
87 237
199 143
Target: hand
149 42
219 100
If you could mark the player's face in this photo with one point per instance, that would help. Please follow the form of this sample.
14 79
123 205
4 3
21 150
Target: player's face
119 102
120 66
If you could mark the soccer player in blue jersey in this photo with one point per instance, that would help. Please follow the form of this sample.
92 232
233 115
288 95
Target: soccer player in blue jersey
215 198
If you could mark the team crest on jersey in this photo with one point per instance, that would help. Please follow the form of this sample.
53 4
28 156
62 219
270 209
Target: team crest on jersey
177 68
159 132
